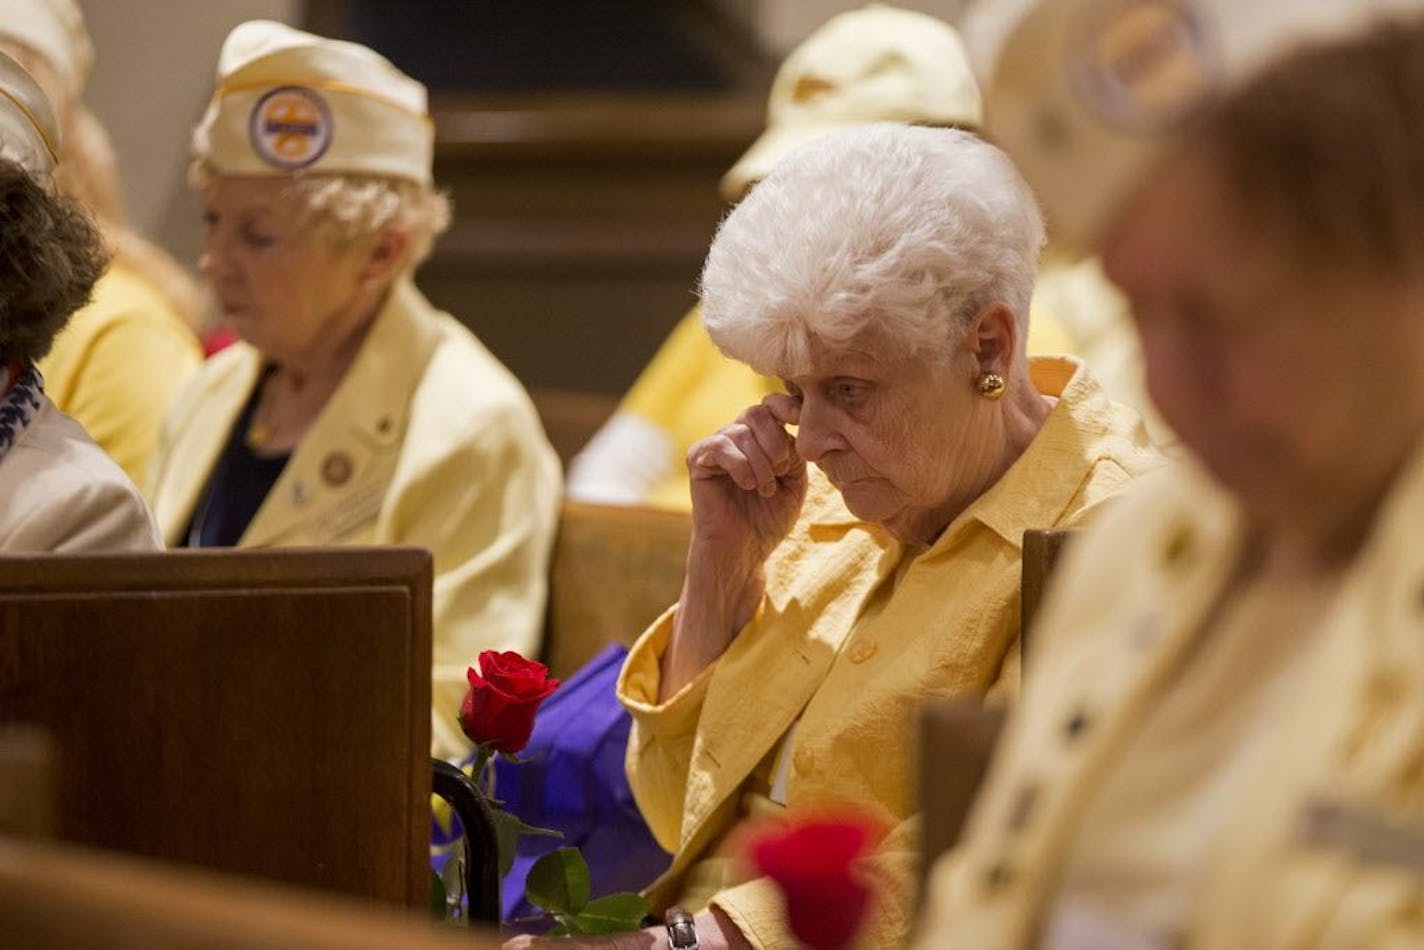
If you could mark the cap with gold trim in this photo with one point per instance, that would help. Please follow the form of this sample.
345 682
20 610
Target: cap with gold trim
875 64
29 132
1086 93
55 30
288 101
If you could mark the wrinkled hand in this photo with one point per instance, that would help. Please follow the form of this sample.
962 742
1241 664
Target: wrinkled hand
748 484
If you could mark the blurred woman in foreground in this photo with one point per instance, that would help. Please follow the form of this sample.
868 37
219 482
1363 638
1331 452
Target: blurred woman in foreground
1221 741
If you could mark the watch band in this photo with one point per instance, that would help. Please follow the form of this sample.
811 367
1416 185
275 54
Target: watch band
682 933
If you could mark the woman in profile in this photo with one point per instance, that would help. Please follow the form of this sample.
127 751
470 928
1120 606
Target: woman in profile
353 412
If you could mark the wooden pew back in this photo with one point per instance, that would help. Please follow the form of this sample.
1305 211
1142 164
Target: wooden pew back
1041 551
60 896
957 737
614 571
264 713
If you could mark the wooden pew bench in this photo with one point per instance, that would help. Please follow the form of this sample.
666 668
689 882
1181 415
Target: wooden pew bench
614 571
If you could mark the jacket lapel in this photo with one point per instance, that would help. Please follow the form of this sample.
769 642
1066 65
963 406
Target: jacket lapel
199 439
339 474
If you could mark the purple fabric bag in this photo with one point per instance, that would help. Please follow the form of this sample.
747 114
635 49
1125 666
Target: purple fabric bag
573 781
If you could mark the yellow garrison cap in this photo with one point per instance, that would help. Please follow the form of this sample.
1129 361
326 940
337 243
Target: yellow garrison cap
1087 93
29 133
875 64
55 30
288 101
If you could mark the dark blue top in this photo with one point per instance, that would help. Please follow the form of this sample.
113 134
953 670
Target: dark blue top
235 490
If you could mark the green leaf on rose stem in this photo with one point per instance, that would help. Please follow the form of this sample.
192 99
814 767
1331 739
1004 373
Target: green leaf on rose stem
612 913
438 908
508 828
506 833
558 882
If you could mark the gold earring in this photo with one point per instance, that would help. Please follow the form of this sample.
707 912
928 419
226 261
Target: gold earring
991 385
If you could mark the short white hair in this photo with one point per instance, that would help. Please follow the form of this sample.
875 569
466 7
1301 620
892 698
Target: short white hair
912 229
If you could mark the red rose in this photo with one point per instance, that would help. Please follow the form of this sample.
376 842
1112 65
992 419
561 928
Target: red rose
811 862
504 696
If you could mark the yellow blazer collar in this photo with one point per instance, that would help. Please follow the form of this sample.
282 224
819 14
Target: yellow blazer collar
332 476
1036 490
1079 432
229 378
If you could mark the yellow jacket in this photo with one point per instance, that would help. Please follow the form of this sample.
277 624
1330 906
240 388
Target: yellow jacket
118 363
688 391
428 441
1130 605
855 679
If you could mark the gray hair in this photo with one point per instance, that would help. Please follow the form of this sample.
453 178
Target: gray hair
346 207
912 229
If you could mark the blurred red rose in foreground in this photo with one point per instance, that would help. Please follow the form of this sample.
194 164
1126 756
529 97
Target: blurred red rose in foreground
812 860
504 695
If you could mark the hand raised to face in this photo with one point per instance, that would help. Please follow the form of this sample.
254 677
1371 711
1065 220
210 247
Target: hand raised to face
748 483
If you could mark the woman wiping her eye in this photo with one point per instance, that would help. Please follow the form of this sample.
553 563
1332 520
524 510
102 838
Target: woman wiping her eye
839 577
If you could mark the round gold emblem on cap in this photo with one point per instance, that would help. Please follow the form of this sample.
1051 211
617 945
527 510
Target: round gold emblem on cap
336 469
1145 65
290 127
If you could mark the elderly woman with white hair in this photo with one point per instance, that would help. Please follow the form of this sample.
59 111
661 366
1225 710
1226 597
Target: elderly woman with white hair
884 275
353 412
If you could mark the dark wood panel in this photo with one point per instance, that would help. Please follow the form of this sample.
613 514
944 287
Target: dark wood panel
265 713
581 332
957 739
1041 551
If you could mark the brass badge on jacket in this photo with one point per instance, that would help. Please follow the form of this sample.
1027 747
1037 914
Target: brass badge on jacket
336 469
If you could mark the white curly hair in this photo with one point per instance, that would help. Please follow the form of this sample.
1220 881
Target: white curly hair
911 229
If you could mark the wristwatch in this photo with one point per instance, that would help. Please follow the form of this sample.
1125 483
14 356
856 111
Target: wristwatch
682 933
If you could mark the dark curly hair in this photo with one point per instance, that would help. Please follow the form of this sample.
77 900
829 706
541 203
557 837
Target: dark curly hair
50 257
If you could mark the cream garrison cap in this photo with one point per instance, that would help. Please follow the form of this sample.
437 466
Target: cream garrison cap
874 64
1086 93
55 30
287 101
29 134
